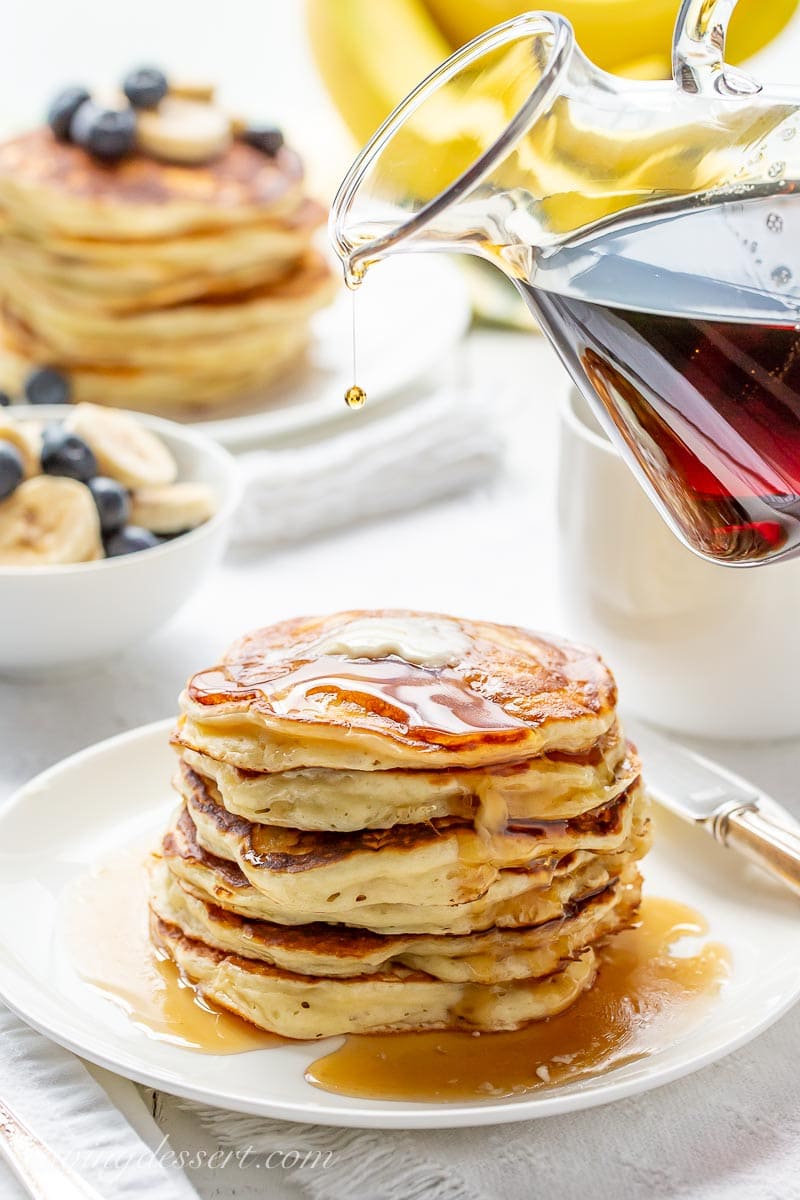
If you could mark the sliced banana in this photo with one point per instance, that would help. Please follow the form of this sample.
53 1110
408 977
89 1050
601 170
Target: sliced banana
183 131
27 437
124 449
199 90
173 507
49 520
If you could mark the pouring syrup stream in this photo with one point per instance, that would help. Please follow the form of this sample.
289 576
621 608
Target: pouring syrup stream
355 396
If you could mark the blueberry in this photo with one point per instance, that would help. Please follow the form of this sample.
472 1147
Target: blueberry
129 540
107 133
63 108
113 503
265 138
46 385
11 469
64 453
5 399
145 87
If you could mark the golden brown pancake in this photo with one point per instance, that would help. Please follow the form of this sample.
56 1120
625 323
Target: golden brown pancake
552 787
279 700
394 999
204 385
515 898
164 334
51 186
442 862
181 290
396 820
114 275
495 956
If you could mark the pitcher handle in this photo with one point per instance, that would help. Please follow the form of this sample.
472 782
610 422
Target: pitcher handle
698 51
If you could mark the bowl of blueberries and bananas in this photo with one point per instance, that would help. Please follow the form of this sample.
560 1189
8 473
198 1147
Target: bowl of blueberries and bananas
109 520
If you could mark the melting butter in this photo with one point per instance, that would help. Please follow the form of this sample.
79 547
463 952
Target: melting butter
421 641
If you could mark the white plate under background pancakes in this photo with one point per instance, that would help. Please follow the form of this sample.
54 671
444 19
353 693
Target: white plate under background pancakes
410 312
110 796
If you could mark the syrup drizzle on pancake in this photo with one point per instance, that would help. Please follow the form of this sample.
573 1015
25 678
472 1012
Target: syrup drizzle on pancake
648 991
435 704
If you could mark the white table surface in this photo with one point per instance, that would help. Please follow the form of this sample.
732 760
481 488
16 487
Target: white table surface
490 553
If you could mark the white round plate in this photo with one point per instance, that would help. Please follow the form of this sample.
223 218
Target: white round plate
112 794
410 312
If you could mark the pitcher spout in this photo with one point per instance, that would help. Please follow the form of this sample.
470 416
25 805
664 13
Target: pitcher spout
423 180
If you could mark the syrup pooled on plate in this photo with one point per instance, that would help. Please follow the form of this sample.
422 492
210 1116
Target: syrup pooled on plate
107 935
648 990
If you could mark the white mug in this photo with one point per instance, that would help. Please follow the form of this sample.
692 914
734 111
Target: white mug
696 648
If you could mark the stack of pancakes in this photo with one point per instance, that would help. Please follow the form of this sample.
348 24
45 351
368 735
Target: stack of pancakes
398 821
154 286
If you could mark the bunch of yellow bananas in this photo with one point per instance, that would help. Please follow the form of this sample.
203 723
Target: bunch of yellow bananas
371 53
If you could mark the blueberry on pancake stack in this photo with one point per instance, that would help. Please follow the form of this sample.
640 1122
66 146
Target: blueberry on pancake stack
398 821
156 251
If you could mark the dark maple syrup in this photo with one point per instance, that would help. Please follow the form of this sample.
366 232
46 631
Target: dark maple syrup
711 412
684 331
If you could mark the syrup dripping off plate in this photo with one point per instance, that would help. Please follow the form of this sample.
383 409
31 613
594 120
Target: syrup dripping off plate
114 796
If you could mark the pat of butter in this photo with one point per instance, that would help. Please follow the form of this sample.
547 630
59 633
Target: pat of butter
422 641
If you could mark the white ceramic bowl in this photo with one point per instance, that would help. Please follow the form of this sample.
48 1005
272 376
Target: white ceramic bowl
58 617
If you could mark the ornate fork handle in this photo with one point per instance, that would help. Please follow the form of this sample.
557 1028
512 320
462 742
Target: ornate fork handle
39 1169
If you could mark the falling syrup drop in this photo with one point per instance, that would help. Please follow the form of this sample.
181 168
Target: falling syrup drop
355 397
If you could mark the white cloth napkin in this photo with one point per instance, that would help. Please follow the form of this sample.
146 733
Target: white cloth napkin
52 1092
382 463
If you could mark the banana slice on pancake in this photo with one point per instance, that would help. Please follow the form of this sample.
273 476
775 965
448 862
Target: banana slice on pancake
27 437
183 131
124 449
199 90
49 520
172 507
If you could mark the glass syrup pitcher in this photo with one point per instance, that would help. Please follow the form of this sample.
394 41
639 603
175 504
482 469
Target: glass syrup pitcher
653 229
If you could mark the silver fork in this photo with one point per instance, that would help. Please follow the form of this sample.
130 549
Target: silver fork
39 1169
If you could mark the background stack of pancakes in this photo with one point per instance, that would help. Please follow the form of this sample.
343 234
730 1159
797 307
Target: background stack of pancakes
155 286
398 821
